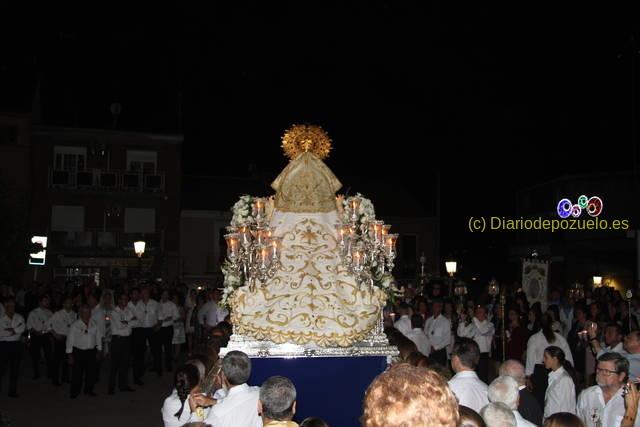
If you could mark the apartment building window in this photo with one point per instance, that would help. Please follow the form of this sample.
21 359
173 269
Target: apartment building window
70 158
67 218
139 220
142 161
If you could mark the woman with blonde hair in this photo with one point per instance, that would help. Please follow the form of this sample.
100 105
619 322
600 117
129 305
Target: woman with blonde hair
406 395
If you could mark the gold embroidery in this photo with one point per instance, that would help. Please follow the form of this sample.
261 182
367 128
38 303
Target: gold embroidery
312 298
306 185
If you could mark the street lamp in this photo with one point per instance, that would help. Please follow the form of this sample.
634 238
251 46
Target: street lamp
138 247
451 267
597 281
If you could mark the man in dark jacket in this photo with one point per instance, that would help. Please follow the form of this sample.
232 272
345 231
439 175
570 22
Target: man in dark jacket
528 406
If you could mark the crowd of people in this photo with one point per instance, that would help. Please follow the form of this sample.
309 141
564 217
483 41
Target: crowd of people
579 356
460 363
86 331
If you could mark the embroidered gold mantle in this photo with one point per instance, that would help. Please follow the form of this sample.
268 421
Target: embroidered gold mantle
312 299
306 185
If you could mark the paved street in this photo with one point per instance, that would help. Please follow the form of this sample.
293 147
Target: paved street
42 404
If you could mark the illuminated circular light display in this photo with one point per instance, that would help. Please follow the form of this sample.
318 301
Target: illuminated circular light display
595 205
592 205
564 208
576 210
582 201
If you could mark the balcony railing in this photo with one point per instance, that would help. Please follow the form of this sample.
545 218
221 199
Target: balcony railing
107 180
102 241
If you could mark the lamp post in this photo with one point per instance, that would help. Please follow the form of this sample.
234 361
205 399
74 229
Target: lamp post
597 281
629 295
138 247
451 267
423 276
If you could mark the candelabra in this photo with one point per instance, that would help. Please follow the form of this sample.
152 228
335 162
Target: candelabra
460 289
252 248
367 248
577 291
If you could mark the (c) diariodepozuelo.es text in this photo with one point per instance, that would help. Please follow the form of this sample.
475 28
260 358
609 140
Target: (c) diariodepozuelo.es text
481 224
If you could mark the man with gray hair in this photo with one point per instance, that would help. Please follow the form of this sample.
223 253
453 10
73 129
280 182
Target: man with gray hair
504 389
528 405
277 403
239 406
498 414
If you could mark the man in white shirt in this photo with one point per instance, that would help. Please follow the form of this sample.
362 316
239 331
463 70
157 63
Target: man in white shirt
147 315
121 319
603 404
210 314
58 326
630 349
12 325
613 338
438 331
39 339
505 389
167 315
465 384
84 343
239 408
403 324
417 335
481 330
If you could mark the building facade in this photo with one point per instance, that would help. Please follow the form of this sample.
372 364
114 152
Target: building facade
95 192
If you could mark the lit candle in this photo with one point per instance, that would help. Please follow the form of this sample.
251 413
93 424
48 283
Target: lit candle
357 258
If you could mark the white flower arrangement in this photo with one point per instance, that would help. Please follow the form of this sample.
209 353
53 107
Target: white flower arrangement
232 281
242 211
366 210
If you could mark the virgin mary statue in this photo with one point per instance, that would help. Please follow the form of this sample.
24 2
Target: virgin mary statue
312 298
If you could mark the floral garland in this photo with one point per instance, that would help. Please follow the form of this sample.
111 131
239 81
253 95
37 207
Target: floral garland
232 281
242 211
366 210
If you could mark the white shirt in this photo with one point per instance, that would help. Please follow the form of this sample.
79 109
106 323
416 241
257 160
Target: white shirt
566 318
238 409
403 324
134 323
536 346
84 337
561 393
38 318
61 321
99 315
480 331
521 422
438 331
615 349
210 314
172 405
121 321
16 323
469 390
147 314
420 340
168 313
591 408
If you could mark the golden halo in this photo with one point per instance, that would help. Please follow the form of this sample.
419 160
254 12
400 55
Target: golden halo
301 138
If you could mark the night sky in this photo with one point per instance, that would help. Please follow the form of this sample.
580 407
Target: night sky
494 95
